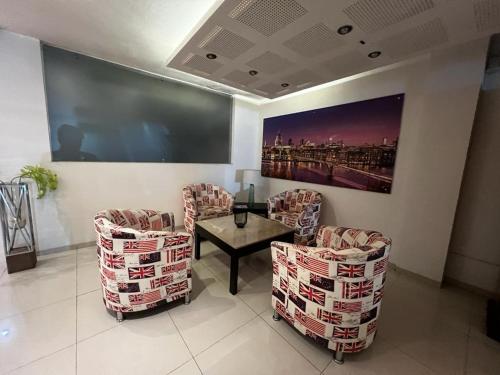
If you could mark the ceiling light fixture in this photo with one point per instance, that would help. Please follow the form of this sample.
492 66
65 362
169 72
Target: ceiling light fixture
343 30
253 72
374 54
285 85
211 56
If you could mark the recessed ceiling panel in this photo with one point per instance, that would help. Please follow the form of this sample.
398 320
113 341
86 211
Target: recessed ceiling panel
269 63
374 15
202 64
225 43
487 14
242 78
268 16
421 37
293 44
314 41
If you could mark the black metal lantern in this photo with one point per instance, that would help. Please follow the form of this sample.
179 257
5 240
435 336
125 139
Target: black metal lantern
240 212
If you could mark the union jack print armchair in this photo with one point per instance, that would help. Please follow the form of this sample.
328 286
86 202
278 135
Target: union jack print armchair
142 261
205 201
332 292
299 209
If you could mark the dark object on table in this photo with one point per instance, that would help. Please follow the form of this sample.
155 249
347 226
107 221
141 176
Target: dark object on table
493 320
257 208
240 212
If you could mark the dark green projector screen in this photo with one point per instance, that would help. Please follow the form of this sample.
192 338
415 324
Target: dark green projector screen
99 111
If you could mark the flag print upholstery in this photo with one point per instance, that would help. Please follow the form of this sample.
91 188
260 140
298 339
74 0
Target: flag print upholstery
205 201
299 209
332 292
143 262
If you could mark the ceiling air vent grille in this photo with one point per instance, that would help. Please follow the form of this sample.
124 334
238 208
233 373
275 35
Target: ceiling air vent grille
226 43
425 36
314 41
268 16
374 15
487 14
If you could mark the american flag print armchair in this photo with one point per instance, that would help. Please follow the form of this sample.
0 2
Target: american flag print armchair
332 292
142 261
205 201
299 209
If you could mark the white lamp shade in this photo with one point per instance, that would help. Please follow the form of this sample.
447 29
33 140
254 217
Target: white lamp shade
251 176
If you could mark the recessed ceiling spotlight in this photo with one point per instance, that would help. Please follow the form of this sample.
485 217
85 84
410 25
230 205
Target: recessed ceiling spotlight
285 85
211 56
362 42
343 30
374 54
253 72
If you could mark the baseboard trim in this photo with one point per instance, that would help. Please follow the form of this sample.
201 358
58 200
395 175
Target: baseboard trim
415 276
470 288
65 248
178 228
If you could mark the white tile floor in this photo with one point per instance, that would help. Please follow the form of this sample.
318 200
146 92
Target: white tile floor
52 321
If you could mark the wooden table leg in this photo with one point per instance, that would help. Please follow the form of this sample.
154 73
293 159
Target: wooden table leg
233 276
197 243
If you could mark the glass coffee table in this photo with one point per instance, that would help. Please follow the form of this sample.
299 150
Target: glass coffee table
257 235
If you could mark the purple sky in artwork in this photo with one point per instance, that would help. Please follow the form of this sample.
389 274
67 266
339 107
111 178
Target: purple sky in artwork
365 122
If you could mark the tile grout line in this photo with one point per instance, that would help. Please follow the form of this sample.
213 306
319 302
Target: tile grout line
38 359
259 316
229 334
301 354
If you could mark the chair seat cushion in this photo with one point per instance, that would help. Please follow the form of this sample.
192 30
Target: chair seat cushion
209 212
286 217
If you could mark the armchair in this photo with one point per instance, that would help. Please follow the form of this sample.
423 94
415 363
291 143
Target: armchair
332 292
142 261
299 209
205 201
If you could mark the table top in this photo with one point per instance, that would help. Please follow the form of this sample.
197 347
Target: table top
256 230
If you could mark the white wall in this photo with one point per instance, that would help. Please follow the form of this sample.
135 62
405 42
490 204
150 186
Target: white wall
474 256
441 95
65 217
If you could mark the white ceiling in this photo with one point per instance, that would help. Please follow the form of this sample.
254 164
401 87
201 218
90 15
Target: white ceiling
143 34
294 44
148 34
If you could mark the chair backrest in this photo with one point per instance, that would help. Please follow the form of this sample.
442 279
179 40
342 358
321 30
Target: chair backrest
208 194
296 200
340 238
132 224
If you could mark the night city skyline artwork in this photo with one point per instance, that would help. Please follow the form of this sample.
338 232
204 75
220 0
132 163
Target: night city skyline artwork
352 145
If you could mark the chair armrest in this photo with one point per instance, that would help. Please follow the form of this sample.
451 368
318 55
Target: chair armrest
227 200
168 221
273 203
190 207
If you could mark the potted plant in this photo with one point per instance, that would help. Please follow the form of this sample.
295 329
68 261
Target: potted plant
16 217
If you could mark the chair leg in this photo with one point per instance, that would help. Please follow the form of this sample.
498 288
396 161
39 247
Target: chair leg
276 316
338 357
187 299
119 316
